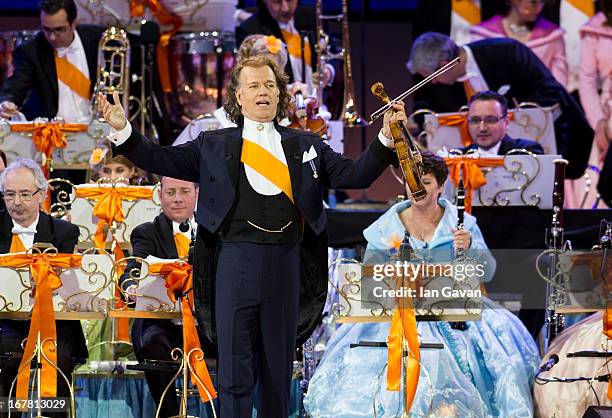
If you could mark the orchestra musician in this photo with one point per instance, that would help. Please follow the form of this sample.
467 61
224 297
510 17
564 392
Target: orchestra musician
167 237
260 223
508 67
488 122
22 225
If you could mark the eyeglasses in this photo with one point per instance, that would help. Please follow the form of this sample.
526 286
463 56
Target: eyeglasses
23 196
55 31
182 192
488 120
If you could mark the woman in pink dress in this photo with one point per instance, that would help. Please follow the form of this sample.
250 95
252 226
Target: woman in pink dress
524 23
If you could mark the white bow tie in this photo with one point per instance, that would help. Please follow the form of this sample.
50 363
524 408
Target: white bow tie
18 229
61 52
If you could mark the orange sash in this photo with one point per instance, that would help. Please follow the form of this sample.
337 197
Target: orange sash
266 164
294 46
43 317
585 6
182 244
179 279
108 207
71 75
403 336
468 89
17 245
473 177
468 10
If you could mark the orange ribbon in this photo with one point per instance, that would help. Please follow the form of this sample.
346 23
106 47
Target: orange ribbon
43 317
460 120
470 168
403 336
179 280
17 245
182 244
164 17
109 206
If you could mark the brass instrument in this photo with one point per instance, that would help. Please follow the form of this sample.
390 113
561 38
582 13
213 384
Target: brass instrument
350 117
406 149
113 71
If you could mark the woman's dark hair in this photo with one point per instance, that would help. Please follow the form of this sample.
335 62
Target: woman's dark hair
434 164
231 105
3 156
51 7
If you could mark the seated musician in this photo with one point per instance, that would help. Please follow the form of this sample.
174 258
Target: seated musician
488 126
486 367
22 224
165 238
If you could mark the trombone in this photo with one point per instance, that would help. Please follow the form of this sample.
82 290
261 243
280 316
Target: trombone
350 117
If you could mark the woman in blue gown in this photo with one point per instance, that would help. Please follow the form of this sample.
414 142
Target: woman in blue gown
486 367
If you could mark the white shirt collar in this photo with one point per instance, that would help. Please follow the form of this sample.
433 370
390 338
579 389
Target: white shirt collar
192 226
289 26
472 72
74 46
30 229
494 150
251 126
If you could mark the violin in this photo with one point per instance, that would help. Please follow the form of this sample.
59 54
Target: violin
407 151
304 115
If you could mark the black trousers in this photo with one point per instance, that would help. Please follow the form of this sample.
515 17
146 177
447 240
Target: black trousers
256 309
12 333
155 339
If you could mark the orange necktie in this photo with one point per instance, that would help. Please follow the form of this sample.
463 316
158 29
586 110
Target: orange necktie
294 46
70 75
182 244
17 245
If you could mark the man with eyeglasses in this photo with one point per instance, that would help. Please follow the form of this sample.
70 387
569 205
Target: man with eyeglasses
54 72
22 224
167 237
488 126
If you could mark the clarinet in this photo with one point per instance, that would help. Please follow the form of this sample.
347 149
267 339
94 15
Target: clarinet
460 252
555 296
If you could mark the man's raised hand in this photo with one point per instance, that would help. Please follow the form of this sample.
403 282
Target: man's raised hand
112 113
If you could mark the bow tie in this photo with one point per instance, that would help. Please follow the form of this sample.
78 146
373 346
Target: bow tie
61 52
18 229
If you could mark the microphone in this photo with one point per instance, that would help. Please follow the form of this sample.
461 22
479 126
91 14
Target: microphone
184 226
552 360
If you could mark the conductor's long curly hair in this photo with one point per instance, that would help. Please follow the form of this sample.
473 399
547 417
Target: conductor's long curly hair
231 105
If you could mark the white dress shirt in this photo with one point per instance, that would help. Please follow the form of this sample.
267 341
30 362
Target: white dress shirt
493 151
472 72
72 107
26 234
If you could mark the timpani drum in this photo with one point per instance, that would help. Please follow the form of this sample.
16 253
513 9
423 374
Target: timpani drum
200 70
8 42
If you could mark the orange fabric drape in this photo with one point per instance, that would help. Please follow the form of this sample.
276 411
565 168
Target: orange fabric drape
182 244
48 136
163 17
469 167
108 207
179 279
467 9
460 120
403 336
43 317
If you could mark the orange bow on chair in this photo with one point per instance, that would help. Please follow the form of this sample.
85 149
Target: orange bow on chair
179 280
43 316
470 166
403 337
48 136
109 205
